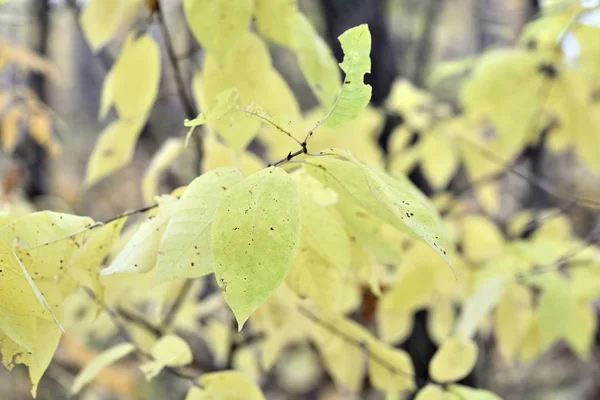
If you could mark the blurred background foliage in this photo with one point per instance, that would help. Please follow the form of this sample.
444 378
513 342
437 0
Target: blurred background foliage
490 106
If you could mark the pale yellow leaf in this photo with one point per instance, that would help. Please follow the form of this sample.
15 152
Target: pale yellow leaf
162 159
106 358
101 19
136 76
218 25
454 360
113 150
139 255
276 20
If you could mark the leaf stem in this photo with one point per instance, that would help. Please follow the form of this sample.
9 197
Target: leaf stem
272 123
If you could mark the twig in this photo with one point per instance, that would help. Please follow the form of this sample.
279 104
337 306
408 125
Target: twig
186 102
267 120
588 203
289 157
349 339
188 105
590 240
139 321
171 314
124 333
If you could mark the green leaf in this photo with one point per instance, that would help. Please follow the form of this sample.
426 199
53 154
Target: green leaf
255 235
140 252
393 200
218 24
106 358
317 62
185 248
355 95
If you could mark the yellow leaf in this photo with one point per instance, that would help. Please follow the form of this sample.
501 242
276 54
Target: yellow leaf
276 20
412 103
479 306
581 330
11 129
101 19
161 160
482 240
139 255
315 277
29 60
556 306
440 320
245 360
531 347
228 385
85 263
431 392
106 358
454 360
317 62
469 393
343 359
393 325
168 351
113 150
40 128
217 155
136 75
36 234
185 248
219 339
512 320
248 68
107 97
218 25
439 160
390 369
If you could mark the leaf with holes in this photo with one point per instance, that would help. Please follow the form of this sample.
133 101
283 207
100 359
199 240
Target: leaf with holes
255 235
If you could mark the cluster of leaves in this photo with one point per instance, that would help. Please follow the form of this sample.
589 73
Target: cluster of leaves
292 245
20 108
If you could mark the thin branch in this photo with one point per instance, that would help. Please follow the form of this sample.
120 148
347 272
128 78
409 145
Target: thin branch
171 314
268 121
186 102
124 333
349 339
139 321
592 239
288 158
584 202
